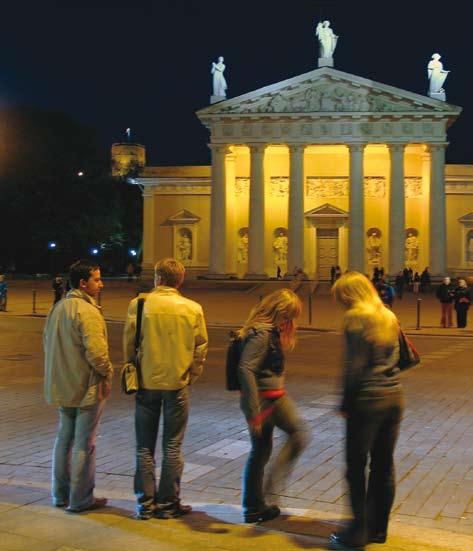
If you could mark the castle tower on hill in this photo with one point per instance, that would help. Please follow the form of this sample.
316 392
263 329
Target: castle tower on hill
127 156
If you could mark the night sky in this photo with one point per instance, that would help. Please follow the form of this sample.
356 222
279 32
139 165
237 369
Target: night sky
146 64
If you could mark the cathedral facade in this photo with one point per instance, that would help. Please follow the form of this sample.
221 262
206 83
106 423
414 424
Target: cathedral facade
323 169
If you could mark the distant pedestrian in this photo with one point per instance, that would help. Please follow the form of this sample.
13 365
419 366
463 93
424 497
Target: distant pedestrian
425 280
399 284
77 379
338 272
462 302
416 283
386 293
372 405
278 272
3 293
58 288
267 334
130 270
332 275
446 294
173 348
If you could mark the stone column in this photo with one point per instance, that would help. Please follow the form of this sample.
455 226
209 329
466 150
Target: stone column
437 216
295 227
356 238
397 209
149 243
256 214
218 220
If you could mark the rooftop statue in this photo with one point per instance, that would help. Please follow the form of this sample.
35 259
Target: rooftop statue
437 77
219 82
328 42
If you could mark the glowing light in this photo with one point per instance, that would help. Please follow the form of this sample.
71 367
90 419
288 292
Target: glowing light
51 245
80 173
132 252
94 251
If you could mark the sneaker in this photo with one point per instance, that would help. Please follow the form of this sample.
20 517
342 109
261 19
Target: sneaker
268 513
98 503
175 511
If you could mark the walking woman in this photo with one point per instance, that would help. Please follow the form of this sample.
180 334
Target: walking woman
266 335
372 405
462 302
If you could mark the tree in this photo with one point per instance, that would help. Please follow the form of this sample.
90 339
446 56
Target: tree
55 185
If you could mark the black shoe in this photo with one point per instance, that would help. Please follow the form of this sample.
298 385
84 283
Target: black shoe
379 537
340 541
268 513
98 503
173 512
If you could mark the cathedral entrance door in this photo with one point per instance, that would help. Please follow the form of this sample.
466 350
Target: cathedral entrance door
327 251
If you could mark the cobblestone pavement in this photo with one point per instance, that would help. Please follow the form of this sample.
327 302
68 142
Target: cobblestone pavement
434 502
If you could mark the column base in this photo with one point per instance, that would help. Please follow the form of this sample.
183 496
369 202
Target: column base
255 276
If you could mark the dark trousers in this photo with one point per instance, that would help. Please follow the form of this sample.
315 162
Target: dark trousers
372 430
174 405
447 309
462 311
284 416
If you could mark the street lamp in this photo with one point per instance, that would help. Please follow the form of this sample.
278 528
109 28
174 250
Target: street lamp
132 252
94 251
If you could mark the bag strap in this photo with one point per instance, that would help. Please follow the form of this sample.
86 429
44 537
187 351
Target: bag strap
139 316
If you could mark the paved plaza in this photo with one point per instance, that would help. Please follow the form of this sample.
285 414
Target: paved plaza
434 502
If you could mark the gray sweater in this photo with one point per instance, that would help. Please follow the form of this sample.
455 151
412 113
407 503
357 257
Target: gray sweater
261 367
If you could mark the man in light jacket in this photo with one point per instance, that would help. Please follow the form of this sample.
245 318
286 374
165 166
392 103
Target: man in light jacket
78 374
172 352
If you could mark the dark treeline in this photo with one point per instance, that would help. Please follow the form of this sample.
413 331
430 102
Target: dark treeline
43 198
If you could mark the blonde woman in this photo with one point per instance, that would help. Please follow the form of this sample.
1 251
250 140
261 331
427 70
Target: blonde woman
373 405
266 335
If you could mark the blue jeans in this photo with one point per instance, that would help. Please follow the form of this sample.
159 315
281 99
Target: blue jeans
73 478
284 416
175 408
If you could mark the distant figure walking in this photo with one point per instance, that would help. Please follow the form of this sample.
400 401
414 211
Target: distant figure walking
58 288
267 334
446 294
3 293
462 302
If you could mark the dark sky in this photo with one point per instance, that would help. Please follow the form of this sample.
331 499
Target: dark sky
146 63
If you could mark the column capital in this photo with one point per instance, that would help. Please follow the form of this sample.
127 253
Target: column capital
296 147
396 147
257 147
356 147
435 147
219 148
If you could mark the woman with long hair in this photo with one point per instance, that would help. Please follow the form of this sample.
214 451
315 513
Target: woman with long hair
266 335
372 405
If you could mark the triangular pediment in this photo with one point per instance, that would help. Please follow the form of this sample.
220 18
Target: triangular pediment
182 217
326 210
327 90
467 218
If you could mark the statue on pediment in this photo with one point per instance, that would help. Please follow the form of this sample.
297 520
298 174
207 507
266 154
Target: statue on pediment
219 82
327 39
437 77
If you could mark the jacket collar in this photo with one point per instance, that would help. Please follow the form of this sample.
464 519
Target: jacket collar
165 290
77 293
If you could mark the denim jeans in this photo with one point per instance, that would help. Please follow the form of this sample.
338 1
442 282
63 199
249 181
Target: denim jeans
175 408
372 430
73 478
284 416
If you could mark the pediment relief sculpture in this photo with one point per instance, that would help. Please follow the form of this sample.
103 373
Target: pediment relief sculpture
326 97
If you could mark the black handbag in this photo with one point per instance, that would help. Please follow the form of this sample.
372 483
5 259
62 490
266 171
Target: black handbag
130 378
408 355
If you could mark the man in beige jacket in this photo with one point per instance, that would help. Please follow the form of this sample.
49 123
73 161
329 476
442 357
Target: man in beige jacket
78 373
172 352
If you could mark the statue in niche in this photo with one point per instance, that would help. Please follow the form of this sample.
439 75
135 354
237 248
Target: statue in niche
243 247
469 249
280 248
219 82
327 39
184 246
411 248
374 248
437 77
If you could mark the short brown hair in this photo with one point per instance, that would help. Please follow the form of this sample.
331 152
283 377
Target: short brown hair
170 271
